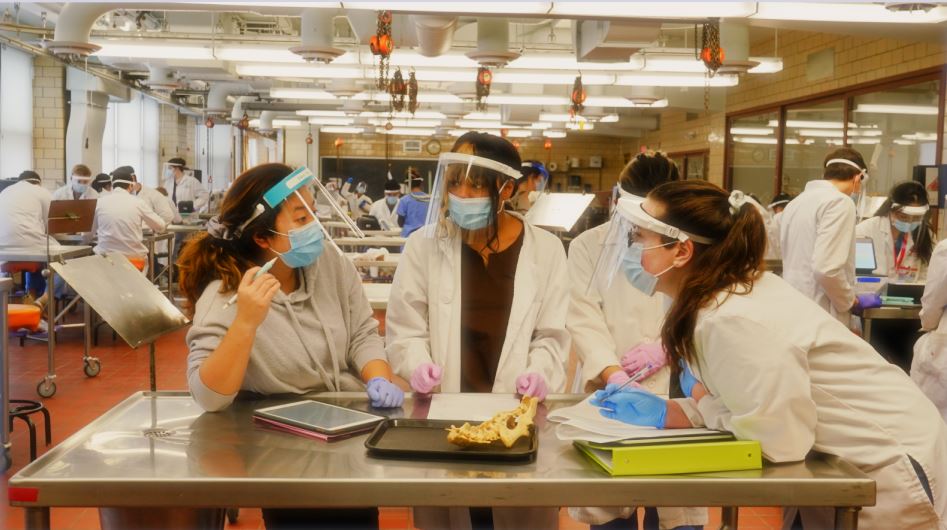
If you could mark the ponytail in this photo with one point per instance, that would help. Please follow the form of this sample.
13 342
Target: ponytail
731 264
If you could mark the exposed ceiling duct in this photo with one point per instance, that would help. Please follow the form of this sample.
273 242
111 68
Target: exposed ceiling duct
73 29
612 41
317 31
435 34
238 111
519 114
217 97
161 78
735 41
493 42
266 120
643 95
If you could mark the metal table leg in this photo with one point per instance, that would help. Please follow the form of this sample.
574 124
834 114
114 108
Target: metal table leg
866 329
90 365
47 387
729 516
846 518
4 380
37 518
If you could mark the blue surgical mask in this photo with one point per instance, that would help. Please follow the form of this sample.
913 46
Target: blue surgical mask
305 245
639 278
470 214
391 200
906 226
79 188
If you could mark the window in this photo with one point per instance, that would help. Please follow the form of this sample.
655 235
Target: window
214 158
692 165
16 112
752 150
131 138
812 130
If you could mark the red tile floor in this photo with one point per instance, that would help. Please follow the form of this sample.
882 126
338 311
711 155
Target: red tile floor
80 399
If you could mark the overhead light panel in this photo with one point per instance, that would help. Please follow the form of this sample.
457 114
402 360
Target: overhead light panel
764 131
341 130
300 93
153 51
316 120
916 110
849 13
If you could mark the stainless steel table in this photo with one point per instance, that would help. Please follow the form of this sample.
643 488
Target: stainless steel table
151 241
888 313
373 241
185 228
47 387
160 450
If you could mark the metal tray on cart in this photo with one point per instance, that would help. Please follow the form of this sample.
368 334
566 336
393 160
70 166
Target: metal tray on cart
417 439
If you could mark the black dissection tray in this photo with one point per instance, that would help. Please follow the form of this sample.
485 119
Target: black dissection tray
427 440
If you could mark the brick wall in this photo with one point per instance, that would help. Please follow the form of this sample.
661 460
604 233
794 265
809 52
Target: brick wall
176 135
857 60
612 149
49 121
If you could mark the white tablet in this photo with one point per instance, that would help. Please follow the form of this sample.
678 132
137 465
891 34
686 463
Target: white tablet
320 417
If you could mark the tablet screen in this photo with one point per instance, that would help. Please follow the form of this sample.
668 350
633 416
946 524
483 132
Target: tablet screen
320 416
865 255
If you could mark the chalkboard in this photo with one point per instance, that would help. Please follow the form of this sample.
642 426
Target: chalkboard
374 171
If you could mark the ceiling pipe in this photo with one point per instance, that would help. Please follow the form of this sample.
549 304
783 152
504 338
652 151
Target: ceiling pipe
266 120
217 97
73 29
161 78
435 34
317 31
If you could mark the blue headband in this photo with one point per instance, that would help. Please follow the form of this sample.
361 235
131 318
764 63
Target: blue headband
295 180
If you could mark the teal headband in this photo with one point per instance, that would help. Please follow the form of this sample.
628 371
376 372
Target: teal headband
295 180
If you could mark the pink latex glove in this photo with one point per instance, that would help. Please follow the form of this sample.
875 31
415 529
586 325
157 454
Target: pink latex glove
641 356
425 377
532 384
619 378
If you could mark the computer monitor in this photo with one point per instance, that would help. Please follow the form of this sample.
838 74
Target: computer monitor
865 262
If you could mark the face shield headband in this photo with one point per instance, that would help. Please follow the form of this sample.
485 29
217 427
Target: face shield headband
863 171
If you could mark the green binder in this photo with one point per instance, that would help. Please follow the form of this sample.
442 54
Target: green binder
657 457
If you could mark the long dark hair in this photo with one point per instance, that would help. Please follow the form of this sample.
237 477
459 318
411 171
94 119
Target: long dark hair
498 150
206 258
647 171
732 263
911 193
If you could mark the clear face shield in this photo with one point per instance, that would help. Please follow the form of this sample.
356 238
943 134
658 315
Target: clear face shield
622 251
460 195
168 170
907 219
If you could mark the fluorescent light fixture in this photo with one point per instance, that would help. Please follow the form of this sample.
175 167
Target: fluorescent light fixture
900 141
420 114
758 140
837 133
674 79
318 120
810 124
255 122
849 13
405 131
550 61
423 97
322 113
916 110
152 51
300 93
511 133
523 99
495 116
864 141
402 123
486 8
683 61
496 124
765 131
527 77
341 130
612 118
580 126
653 9
308 71
768 65
549 116
921 136
554 134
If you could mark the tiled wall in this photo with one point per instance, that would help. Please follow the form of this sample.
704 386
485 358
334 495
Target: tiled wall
176 135
49 121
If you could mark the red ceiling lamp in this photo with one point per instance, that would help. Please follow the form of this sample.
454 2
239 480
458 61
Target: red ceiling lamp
711 53
484 80
381 45
578 97
309 139
244 122
338 143
209 123
547 144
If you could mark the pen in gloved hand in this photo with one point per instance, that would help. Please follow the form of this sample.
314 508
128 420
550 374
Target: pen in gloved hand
639 375
263 270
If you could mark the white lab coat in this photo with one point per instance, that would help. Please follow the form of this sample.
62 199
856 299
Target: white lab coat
160 204
603 328
387 217
929 366
65 193
879 230
781 372
24 208
118 220
189 189
422 325
817 238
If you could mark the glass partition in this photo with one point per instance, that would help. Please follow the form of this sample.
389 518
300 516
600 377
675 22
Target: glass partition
753 154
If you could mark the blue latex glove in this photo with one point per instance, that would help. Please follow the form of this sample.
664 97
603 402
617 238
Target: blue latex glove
349 180
384 394
635 406
687 380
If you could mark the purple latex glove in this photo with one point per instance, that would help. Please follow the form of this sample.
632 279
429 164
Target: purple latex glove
532 384
641 356
869 300
425 377
384 394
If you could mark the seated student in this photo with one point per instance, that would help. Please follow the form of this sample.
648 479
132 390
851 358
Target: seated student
119 216
78 187
386 208
102 183
759 359
305 326
24 207
902 234
479 300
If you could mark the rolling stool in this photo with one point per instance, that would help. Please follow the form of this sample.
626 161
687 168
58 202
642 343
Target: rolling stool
22 316
13 267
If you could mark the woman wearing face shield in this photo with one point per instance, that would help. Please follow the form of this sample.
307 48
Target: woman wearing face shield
901 232
479 301
812 385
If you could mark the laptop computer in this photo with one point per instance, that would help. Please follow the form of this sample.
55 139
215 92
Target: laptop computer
865 259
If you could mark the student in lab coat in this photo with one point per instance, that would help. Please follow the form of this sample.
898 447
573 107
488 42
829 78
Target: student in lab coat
304 326
119 217
78 187
616 326
758 359
413 207
102 183
817 237
929 365
24 208
479 300
535 178
902 234
386 208
184 187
